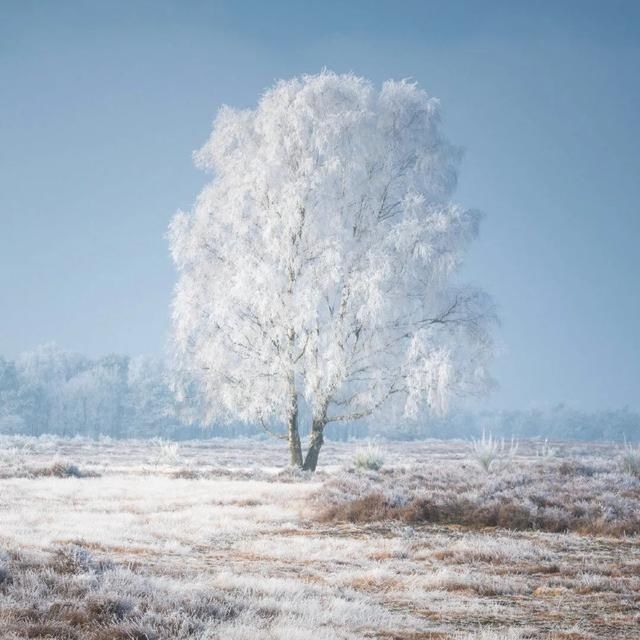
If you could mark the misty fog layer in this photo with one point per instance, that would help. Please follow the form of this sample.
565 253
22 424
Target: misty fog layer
49 390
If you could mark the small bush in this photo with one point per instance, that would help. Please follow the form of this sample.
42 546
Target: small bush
576 468
73 559
5 576
545 450
369 458
294 474
186 474
165 452
630 460
370 508
62 470
105 609
487 450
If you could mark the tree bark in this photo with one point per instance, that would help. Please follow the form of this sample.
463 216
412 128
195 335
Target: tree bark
311 459
295 448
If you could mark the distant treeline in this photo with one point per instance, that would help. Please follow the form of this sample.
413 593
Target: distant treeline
560 422
49 390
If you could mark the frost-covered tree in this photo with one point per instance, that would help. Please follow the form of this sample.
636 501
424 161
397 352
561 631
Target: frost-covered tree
150 402
49 390
315 270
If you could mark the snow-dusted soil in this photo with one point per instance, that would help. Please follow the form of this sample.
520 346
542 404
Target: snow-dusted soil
146 540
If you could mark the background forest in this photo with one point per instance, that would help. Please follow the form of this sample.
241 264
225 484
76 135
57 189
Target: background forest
50 390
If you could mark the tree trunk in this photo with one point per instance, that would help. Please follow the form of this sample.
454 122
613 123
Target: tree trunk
295 448
311 460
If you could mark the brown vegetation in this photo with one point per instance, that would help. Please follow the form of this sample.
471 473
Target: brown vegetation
556 497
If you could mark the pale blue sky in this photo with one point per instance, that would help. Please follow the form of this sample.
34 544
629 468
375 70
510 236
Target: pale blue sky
102 103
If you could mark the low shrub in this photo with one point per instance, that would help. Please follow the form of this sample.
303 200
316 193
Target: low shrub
630 460
554 497
369 458
165 452
486 450
62 470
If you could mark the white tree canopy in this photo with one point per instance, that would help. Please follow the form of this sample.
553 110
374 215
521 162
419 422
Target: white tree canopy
316 267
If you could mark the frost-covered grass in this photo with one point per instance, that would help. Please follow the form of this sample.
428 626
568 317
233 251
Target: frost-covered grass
369 457
220 542
487 449
630 459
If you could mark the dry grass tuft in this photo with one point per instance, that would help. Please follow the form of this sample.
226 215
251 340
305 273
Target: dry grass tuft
630 460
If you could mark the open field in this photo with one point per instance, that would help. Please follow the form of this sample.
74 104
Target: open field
212 539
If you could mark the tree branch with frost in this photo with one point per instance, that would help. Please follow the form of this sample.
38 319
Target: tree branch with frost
279 436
